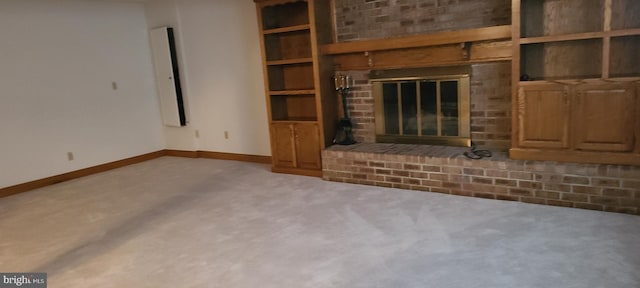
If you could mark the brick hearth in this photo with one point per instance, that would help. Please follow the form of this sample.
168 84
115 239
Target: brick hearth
614 188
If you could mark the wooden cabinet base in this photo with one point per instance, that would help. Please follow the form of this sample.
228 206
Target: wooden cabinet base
575 156
297 171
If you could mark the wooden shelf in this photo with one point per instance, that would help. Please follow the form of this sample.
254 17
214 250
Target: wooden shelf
293 120
425 40
624 32
557 81
579 36
462 47
292 92
290 61
556 38
580 81
302 27
276 2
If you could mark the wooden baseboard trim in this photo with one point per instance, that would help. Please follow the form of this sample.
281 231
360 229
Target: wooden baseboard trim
181 153
236 157
24 187
220 156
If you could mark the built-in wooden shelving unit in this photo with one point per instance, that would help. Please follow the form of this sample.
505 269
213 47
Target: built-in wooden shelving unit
576 81
300 105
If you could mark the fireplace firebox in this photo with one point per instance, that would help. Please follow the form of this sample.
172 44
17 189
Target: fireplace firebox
422 106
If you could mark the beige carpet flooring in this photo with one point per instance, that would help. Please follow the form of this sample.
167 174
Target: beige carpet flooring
177 222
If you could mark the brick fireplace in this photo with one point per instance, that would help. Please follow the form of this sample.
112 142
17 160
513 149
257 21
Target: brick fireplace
422 106
490 106
441 169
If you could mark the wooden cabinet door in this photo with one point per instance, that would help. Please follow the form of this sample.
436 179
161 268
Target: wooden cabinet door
605 116
307 145
283 149
543 116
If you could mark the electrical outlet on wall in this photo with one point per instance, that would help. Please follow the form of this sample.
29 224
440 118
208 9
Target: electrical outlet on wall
70 156
226 134
197 133
114 85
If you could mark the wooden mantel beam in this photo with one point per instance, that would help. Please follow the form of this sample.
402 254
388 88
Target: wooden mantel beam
425 40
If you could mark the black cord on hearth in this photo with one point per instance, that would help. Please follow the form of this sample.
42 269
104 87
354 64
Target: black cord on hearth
477 154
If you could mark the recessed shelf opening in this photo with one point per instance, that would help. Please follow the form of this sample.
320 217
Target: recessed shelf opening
546 18
625 14
290 45
562 60
625 61
291 77
284 15
293 108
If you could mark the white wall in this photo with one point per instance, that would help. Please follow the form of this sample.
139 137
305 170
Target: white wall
57 63
219 53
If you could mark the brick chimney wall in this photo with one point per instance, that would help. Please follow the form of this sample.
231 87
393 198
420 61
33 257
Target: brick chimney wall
490 82
374 19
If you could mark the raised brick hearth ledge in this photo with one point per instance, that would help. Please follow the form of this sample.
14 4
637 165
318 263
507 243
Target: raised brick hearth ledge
440 169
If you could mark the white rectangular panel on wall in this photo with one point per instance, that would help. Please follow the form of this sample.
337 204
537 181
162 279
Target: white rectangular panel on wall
167 77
